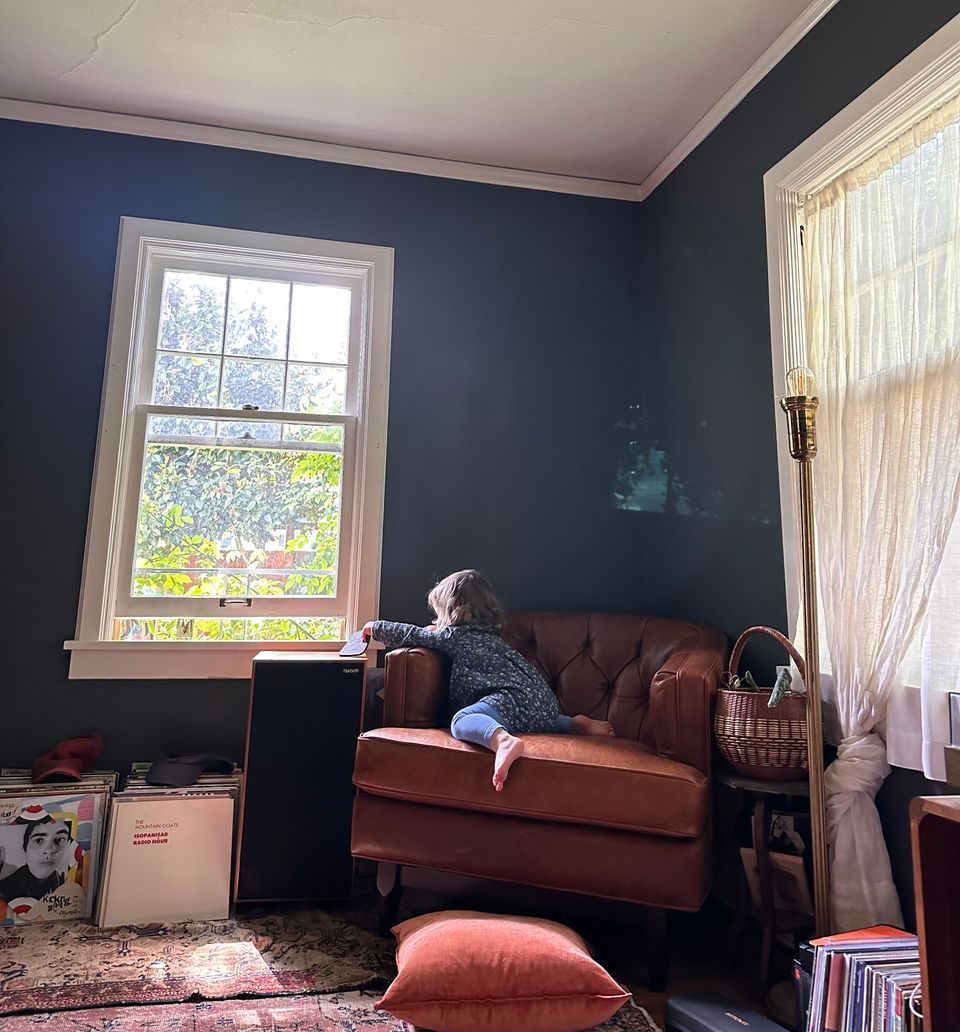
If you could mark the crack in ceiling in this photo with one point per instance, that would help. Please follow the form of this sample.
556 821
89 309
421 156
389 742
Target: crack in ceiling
98 42
446 26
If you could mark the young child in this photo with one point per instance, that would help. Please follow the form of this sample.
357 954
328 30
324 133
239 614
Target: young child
495 693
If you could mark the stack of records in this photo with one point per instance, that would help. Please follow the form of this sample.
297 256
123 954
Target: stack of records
136 781
51 839
169 851
865 981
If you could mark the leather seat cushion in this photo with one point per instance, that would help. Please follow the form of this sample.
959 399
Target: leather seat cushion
605 782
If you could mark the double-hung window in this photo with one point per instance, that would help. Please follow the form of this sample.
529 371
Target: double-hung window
863 225
239 482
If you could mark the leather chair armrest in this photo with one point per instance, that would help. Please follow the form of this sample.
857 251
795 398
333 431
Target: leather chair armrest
415 688
681 703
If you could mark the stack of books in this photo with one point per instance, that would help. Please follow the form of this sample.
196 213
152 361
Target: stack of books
864 981
169 851
51 839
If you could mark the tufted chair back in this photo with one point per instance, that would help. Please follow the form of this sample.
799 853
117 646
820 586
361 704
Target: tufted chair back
603 664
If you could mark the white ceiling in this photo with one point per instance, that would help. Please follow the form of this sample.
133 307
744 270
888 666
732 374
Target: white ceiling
603 89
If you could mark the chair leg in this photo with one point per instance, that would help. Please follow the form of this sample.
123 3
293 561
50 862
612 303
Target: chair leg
654 924
390 886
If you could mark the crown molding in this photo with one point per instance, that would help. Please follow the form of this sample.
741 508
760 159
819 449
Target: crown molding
770 58
926 78
314 150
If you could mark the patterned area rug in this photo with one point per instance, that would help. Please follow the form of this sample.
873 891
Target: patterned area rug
61 965
351 1012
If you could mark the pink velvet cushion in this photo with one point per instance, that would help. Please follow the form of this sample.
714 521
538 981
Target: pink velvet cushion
461 971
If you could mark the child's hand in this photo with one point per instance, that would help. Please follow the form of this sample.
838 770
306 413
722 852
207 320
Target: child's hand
367 630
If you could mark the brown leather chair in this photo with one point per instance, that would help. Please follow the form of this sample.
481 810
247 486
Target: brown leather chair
625 818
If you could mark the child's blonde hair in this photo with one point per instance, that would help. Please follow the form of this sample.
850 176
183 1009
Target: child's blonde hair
466 597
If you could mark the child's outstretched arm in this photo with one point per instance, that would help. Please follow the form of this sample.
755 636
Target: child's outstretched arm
407 635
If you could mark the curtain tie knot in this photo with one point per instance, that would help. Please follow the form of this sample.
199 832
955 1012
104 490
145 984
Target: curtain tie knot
860 767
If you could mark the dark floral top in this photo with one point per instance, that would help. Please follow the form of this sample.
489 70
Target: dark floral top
484 668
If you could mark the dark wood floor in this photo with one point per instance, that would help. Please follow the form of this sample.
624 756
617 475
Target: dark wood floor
700 961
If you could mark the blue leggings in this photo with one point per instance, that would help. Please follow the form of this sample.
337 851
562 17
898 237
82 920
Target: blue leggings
481 721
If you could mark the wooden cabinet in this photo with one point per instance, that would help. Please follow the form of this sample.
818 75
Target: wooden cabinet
935 830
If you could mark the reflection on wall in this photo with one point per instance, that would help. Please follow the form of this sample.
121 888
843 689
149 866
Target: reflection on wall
642 478
682 477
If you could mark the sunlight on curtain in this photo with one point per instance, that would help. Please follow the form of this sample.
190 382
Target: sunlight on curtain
882 286
918 716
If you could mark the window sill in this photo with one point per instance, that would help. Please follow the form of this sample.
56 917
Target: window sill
176 660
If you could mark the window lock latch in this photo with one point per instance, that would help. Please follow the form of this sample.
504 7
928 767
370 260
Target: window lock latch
245 602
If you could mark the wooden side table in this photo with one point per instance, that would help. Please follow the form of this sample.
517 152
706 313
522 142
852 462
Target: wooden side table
935 832
762 793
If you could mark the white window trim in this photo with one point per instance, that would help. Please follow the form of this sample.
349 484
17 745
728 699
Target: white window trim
92 653
921 82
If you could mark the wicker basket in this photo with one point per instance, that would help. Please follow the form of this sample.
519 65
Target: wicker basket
759 742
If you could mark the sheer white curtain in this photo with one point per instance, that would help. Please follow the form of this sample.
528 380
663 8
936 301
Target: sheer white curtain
882 285
918 715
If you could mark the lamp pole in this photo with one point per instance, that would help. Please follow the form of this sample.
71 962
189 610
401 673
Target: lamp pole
801 407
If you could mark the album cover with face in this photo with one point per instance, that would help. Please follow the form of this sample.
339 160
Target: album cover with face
49 854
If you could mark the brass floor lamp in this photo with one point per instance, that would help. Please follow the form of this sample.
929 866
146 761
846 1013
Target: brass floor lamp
800 406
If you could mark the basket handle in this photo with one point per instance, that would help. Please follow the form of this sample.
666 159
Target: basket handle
772 633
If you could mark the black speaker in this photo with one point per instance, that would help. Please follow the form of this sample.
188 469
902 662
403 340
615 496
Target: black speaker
306 710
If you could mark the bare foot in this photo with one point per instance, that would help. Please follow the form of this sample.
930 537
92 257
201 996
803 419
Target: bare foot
508 751
598 728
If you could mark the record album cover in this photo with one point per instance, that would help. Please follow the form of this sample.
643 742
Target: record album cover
169 858
49 847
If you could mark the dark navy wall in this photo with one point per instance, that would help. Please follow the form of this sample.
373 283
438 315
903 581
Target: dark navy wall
710 398
515 335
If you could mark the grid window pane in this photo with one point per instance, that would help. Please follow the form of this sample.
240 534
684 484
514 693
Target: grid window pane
320 389
191 311
249 430
320 323
312 434
309 436
252 520
207 629
183 379
257 318
248 382
179 427
223 342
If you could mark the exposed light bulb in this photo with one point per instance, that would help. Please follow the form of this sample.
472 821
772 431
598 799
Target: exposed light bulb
801 382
